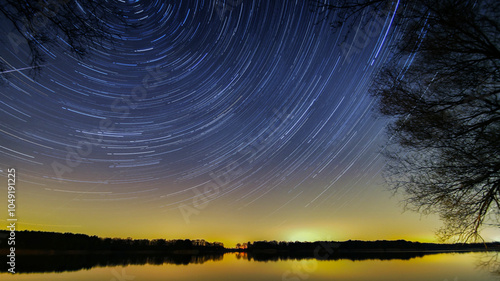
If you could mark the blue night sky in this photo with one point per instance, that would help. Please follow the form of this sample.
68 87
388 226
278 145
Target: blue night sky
239 122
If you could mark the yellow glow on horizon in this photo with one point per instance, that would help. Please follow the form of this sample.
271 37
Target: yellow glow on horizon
304 235
378 218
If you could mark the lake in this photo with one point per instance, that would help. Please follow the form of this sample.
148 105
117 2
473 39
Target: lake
476 266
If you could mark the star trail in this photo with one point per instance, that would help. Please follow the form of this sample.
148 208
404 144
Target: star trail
202 111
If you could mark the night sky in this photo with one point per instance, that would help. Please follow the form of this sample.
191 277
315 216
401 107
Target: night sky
240 122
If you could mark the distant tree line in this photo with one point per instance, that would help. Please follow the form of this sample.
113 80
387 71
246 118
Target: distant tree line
37 240
325 248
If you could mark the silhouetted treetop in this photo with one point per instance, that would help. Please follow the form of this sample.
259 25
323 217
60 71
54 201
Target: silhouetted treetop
440 89
38 26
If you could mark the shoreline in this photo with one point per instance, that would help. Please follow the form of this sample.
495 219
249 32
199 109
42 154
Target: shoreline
34 252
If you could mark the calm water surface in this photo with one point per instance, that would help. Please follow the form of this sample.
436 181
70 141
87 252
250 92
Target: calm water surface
439 267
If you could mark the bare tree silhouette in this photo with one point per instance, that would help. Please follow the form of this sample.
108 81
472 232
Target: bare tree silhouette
441 91
39 26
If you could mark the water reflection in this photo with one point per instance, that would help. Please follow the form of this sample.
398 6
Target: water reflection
62 263
75 262
490 263
353 256
247 267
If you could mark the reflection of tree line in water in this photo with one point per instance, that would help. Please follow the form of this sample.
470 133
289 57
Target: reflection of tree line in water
360 256
57 252
75 262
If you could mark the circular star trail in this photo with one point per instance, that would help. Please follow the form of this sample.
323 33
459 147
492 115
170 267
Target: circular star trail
230 101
